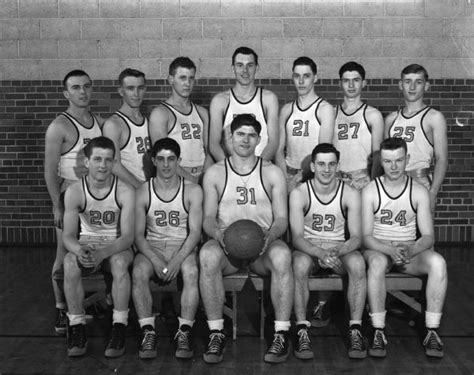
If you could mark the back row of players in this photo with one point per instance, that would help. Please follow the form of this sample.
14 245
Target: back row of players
355 128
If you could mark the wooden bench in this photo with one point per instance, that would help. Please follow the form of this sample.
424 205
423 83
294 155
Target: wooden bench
95 288
397 284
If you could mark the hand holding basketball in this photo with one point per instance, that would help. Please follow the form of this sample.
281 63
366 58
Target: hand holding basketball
244 240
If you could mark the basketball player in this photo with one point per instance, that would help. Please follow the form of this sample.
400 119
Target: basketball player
169 211
424 130
359 129
64 163
128 129
103 205
187 123
244 97
320 208
304 123
393 206
244 186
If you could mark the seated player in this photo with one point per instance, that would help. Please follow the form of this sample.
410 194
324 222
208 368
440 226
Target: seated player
320 209
103 205
169 211
244 186
393 207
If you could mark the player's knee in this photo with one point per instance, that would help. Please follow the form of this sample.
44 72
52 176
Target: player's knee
301 264
377 264
280 258
210 256
139 272
71 268
190 272
355 265
437 264
119 264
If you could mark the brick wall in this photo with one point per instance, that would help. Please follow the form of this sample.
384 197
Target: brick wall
27 107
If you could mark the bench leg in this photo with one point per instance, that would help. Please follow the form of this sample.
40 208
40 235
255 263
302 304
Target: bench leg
232 313
262 316
410 301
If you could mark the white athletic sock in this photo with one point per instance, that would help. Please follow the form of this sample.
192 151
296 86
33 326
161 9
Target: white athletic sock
303 322
432 319
147 322
352 322
216 325
120 317
378 319
282 325
185 321
76 319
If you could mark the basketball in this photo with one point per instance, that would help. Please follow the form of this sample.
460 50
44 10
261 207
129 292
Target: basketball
244 239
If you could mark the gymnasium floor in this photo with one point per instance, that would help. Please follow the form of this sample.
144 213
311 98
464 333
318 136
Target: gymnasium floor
28 344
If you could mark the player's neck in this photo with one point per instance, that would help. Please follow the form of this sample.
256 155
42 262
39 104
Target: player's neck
244 92
413 107
308 99
350 104
243 164
179 102
79 113
132 113
323 189
395 185
164 184
97 187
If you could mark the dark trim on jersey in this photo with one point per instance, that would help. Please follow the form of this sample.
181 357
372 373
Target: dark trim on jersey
408 184
113 187
257 89
260 160
378 194
411 194
246 174
308 189
74 121
125 117
170 108
308 107
415 114
400 113
364 106
353 113
174 196
249 101
399 195
369 127
423 129
316 110
312 192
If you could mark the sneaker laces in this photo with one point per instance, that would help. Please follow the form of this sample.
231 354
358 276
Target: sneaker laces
117 337
182 339
304 343
77 337
278 344
61 319
432 340
356 340
149 340
215 342
379 339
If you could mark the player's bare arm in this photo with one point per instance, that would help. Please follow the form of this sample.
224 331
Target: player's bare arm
205 135
280 155
73 203
351 202
388 122
270 107
327 117
216 114
212 187
159 122
376 124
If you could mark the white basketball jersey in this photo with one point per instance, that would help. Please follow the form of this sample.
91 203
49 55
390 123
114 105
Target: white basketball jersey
395 217
353 139
420 149
100 216
302 132
166 220
324 221
187 130
136 147
71 163
255 107
244 197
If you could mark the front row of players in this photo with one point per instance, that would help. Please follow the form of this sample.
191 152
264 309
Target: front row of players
169 210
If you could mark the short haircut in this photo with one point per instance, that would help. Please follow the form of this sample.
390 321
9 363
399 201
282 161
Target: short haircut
304 60
181 62
98 142
325 148
352 66
392 144
129 72
166 144
74 73
245 119
415 68
245 51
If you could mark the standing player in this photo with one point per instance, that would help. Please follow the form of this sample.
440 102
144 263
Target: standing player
244 186
64 163
244 97
169 211
128 129
304 123
424 130
179 118
359 129
393 207
319 212
103 206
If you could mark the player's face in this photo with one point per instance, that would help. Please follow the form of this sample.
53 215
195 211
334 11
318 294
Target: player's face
394 163
324 167
182 83
244 69
352 84
413 86
78 91
304 79
166 164
244 140
133 91
100 163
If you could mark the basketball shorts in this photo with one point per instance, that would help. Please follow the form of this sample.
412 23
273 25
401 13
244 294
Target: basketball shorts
391 265
422 176
194 171
358 179
165 249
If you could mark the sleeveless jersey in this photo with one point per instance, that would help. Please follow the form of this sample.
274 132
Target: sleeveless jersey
187 130
244 197
395 217
324 221
100 216
71 163
411 130
353 138
166 220
302 132
136 147
255 107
